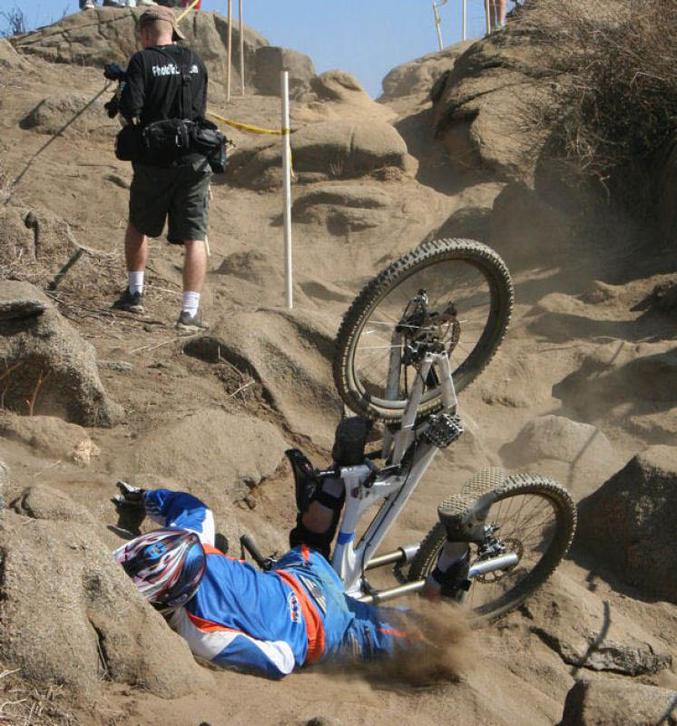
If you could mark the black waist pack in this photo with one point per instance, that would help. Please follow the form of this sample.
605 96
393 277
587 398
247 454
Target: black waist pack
206 139
129 143
167 140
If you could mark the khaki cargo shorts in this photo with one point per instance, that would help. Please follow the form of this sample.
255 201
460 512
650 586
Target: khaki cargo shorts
180 193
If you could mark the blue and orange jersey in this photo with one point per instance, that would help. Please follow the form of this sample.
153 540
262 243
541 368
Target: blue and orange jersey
269 622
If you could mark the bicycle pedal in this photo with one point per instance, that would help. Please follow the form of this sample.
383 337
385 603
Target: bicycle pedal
443 429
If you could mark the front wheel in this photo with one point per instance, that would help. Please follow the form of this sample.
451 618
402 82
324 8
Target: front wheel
467 294
530 516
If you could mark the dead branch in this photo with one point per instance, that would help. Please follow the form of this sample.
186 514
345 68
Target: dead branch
36 391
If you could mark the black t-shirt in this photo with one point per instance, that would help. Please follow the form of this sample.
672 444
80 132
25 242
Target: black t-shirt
153 90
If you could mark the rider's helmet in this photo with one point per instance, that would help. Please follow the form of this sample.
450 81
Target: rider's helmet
166 565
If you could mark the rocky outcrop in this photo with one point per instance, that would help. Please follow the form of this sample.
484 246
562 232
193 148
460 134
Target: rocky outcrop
48 368
45 502
588 633
249 450
10 59
613 702
599 387
343 207
62 599
630 523
560 438
270 61
49 436
327 150
34 242
288 355
478 108
108 34
60 113
419 76
666 195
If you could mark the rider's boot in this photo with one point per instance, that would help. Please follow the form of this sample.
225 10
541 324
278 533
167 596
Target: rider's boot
450 576
319 502
319 506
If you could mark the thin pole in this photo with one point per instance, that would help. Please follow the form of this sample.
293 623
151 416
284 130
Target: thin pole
465 19
230 48
286 177
487 13
438 22
241 51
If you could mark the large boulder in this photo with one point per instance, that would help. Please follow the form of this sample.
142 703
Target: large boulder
45 502
338 95
606 702
48 368
599 387
59 113
34 242
104 35
289 355
479 105
10 59
630 523
667 193
577 454
327 150
270 61
418 77
70 615
557 437
248 449
50 437
589 633
343 207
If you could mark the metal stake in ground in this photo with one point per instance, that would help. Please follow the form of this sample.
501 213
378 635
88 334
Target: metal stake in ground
286 178
241 50
229 49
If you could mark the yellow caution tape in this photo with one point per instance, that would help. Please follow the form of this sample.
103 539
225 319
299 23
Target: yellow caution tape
248 127
186 11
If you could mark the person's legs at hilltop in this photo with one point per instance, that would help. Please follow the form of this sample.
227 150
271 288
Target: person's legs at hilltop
136 257
188 223
497 13
194 273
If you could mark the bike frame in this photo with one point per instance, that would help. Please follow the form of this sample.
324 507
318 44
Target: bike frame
409 456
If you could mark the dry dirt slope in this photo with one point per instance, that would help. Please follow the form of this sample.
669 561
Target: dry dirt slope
584 382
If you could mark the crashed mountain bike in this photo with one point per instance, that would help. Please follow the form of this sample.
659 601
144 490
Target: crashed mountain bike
415 337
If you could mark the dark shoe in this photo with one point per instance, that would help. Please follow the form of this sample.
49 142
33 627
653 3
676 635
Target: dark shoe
455 580
188 323
131 303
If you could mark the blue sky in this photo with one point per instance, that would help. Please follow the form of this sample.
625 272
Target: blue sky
365 37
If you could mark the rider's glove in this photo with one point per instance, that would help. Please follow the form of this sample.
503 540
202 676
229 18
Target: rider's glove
114 72
129 498
113 106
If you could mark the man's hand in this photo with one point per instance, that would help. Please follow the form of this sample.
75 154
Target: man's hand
129 498
114 72
113 106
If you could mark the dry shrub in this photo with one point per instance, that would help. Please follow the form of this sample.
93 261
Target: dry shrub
613 110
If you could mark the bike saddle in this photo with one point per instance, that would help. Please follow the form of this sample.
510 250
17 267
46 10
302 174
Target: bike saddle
305 479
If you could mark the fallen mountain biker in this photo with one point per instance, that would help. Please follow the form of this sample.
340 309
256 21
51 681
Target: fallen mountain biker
234 615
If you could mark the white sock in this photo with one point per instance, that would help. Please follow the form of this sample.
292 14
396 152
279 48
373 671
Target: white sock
191 302
135 282
451 553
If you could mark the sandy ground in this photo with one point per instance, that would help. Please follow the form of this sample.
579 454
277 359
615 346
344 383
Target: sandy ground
507 674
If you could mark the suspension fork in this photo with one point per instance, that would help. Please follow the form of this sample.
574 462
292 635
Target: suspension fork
393 384
405 436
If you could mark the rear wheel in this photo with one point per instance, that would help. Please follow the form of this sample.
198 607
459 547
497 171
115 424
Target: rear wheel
530 516
468 300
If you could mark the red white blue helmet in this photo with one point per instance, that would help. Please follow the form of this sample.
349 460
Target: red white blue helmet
166 565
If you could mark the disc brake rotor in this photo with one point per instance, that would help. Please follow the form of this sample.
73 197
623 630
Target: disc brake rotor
512 546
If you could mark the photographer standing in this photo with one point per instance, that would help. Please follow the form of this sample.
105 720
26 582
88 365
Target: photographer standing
165 91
